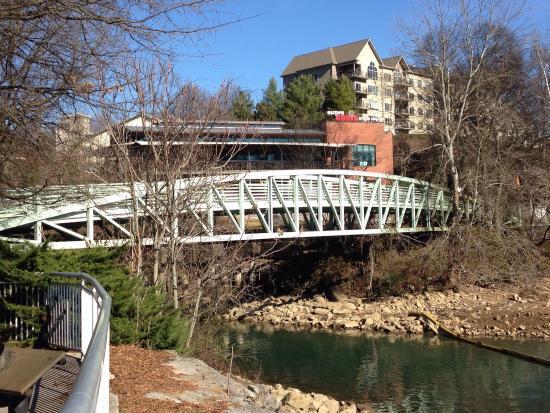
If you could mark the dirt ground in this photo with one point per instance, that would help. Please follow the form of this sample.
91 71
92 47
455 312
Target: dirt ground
138 373
502 311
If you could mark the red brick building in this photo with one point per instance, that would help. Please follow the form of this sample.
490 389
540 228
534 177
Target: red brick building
366 145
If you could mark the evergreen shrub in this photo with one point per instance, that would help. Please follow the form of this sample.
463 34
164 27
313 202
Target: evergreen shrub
140 314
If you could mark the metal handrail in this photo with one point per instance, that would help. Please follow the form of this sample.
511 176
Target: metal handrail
84 394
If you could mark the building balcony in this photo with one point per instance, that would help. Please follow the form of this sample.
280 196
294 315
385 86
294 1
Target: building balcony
400 82
366 106
401 96
403 125
356 74
360 88
402 112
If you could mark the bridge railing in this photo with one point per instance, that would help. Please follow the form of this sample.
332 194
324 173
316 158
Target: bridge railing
78 320
231 206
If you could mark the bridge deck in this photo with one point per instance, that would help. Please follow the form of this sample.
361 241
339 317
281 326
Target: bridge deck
233 207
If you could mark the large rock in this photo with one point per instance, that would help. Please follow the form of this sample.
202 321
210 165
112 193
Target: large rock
320 299
321 311
369 321
341 311
349 306
237 313
297 400
348 409
376 316
332 406
271 403
351 324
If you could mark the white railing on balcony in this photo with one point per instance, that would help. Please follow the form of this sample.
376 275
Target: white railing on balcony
403 125
360 87
401 96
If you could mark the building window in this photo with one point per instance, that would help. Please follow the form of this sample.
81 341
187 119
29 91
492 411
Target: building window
373 90
411 110
387 77
388 121
363 155
387 92
421 113
429 113
421 126
411 96
372 71
387 107
373 104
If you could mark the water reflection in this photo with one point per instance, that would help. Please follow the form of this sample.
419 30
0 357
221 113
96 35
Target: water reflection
397 373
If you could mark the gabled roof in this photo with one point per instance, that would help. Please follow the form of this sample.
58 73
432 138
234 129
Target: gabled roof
348 52
392 62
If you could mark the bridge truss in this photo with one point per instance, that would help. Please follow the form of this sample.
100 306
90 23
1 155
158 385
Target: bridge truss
257 205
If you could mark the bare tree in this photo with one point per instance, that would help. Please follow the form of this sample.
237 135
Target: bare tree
454 48
60 57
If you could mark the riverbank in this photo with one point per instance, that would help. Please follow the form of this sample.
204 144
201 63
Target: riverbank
508 311
161 381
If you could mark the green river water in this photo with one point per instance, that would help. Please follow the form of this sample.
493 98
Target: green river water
397 373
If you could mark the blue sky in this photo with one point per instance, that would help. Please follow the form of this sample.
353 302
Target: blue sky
250 52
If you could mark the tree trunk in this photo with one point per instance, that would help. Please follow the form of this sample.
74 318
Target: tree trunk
195 314
175 281
371 266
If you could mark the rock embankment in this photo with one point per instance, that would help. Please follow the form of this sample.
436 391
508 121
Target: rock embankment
278 399
472 312
162 381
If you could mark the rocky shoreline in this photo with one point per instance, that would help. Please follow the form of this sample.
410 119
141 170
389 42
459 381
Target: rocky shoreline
185 384
474 312
290 400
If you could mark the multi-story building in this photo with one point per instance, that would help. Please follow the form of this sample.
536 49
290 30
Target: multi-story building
387 90
239 145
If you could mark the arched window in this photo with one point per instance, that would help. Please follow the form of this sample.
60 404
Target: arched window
372 71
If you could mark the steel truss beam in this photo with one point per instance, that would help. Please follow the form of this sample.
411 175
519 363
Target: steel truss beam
238 207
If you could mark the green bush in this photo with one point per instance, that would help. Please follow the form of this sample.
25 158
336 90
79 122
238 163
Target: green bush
140 314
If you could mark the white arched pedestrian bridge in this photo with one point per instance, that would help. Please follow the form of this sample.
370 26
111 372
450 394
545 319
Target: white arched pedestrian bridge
257 205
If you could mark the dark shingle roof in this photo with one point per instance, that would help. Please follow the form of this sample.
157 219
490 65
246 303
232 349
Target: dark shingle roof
329 56
392 61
